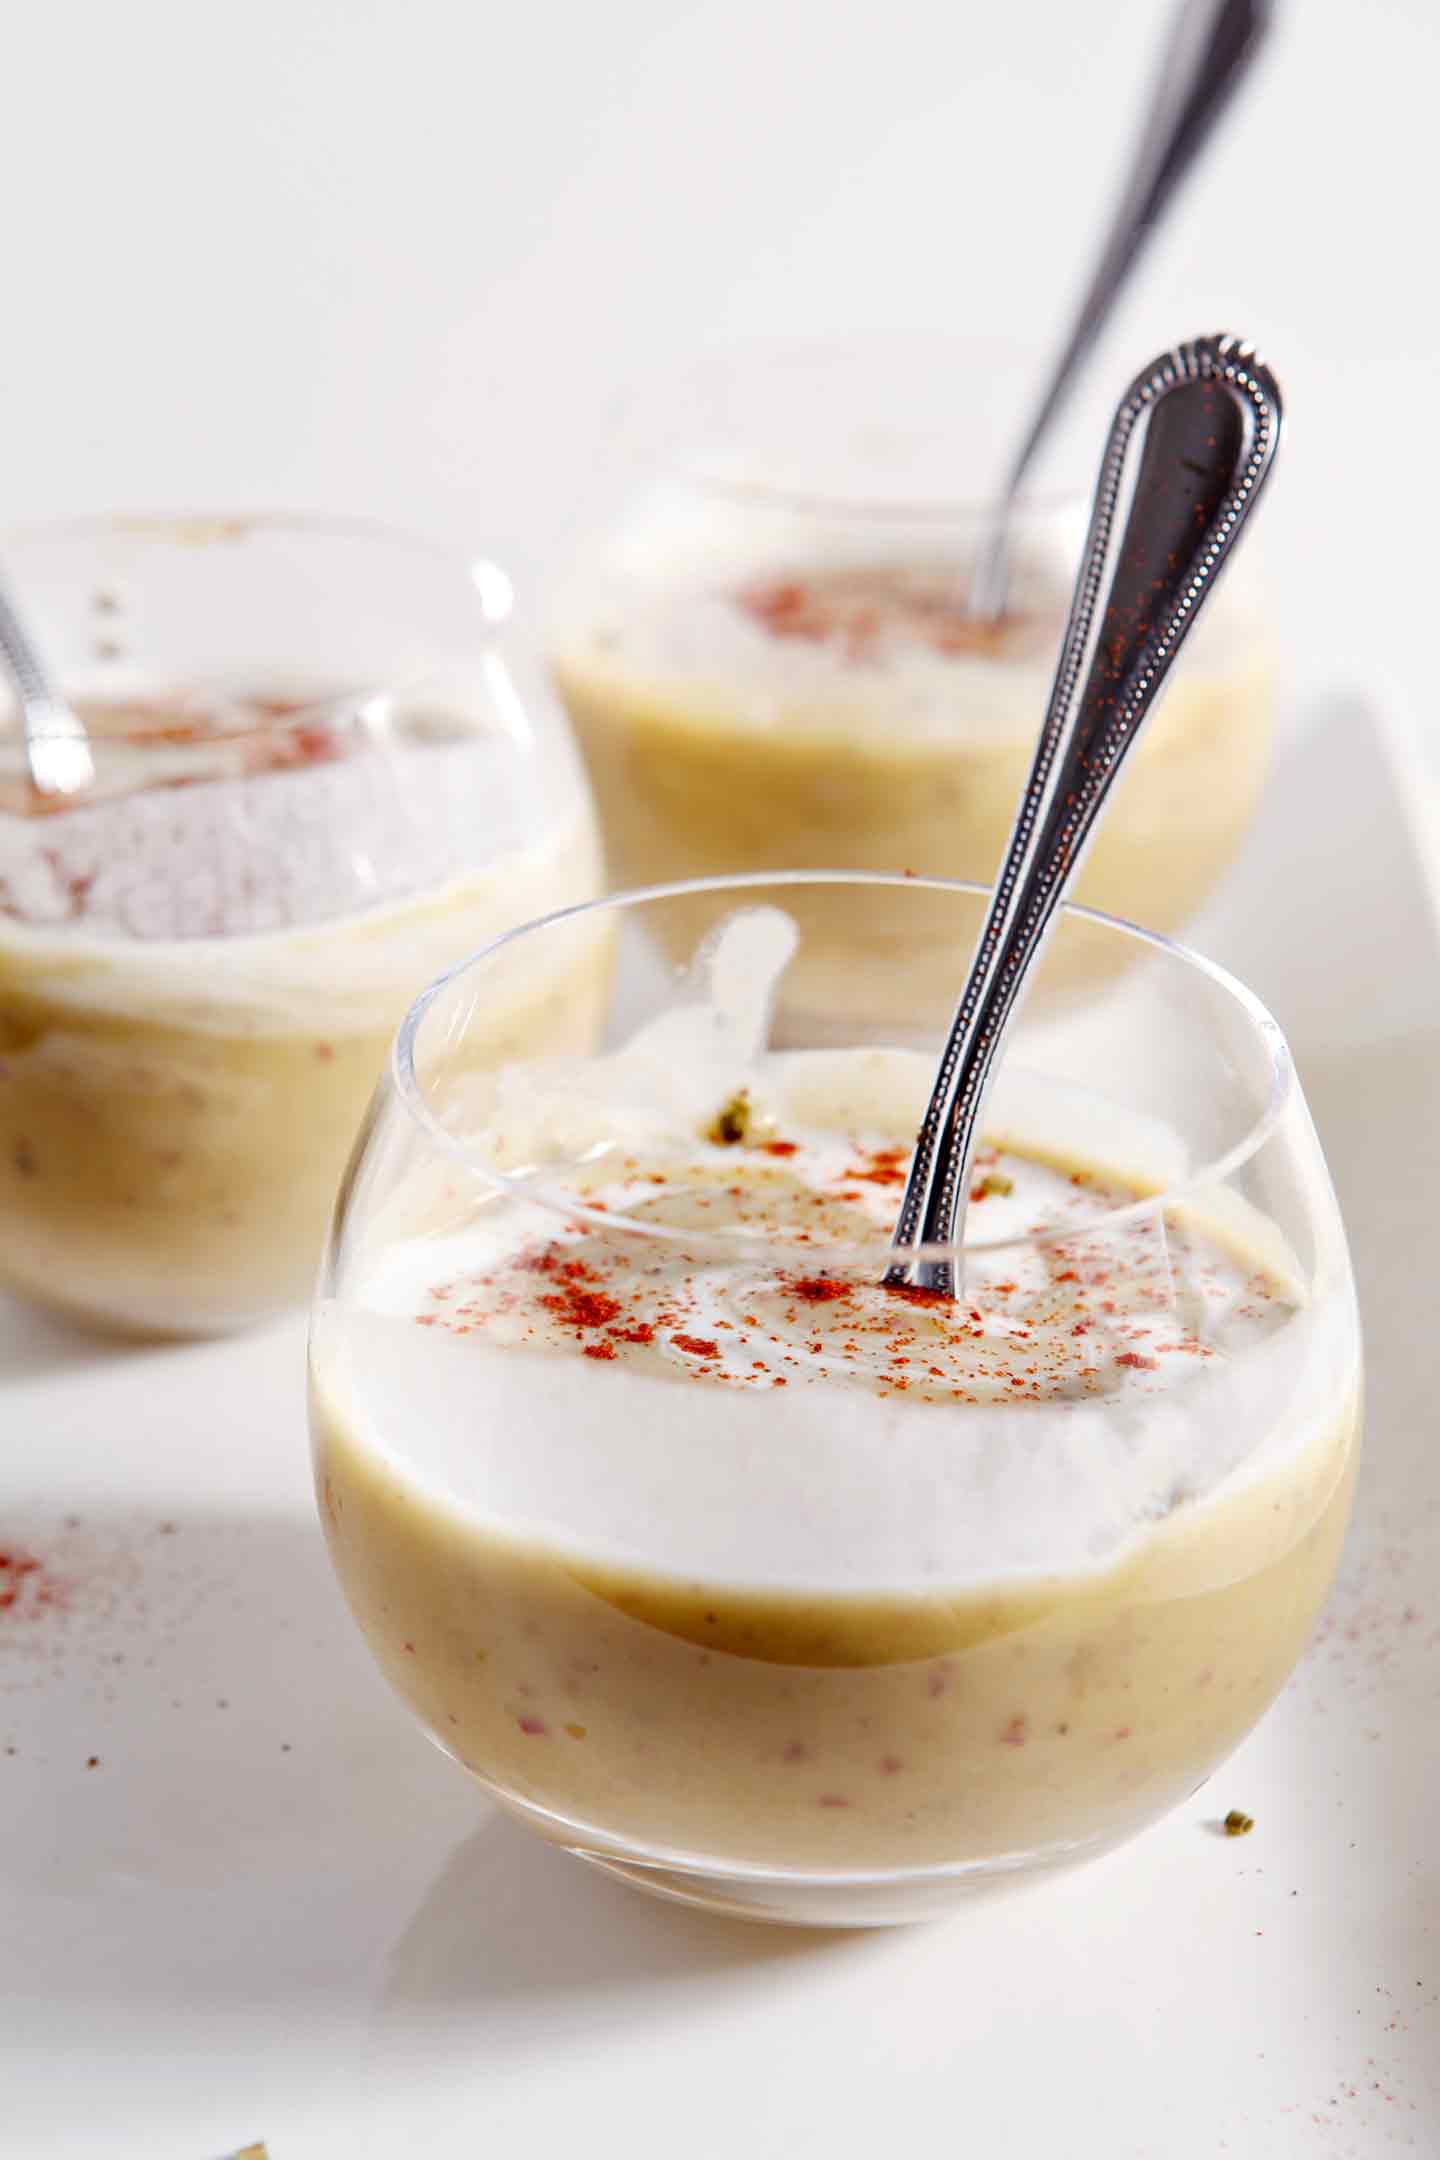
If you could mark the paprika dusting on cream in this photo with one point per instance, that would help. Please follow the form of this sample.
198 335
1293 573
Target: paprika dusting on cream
242 737
860 611
28 1589
1055 1328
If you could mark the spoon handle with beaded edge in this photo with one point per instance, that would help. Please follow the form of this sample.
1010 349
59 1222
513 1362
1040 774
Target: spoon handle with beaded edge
1207 419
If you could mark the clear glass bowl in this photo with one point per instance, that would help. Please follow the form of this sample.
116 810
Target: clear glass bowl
322 774
754 1582
768 660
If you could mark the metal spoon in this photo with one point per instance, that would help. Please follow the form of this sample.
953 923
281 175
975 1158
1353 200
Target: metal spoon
1212 421
57 749
1211 46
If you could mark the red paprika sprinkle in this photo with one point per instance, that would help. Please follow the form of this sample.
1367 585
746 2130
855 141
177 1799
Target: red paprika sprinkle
697 1345
916 1294
817 1289
583 1308
27 1589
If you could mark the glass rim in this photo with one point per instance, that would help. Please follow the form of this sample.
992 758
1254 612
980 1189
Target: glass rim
219 527
875 507
406 1083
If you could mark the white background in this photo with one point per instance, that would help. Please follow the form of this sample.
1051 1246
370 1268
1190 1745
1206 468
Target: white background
402 256
406 259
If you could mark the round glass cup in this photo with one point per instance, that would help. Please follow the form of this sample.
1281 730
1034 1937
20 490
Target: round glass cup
322 772
748 1579
768 660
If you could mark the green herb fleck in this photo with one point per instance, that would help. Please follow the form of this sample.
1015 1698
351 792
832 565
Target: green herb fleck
731 1125
1238 1824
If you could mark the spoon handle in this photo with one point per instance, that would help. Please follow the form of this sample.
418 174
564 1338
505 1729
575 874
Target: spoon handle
1211 47
1212 418
57 749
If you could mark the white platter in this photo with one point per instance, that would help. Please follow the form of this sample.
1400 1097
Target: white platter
269 1909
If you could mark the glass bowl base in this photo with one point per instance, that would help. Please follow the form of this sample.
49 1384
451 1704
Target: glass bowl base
791 1898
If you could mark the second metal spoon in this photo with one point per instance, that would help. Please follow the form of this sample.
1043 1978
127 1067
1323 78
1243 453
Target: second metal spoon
1211 47
1211 412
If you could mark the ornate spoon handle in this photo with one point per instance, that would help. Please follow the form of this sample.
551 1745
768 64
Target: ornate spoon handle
1211 413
